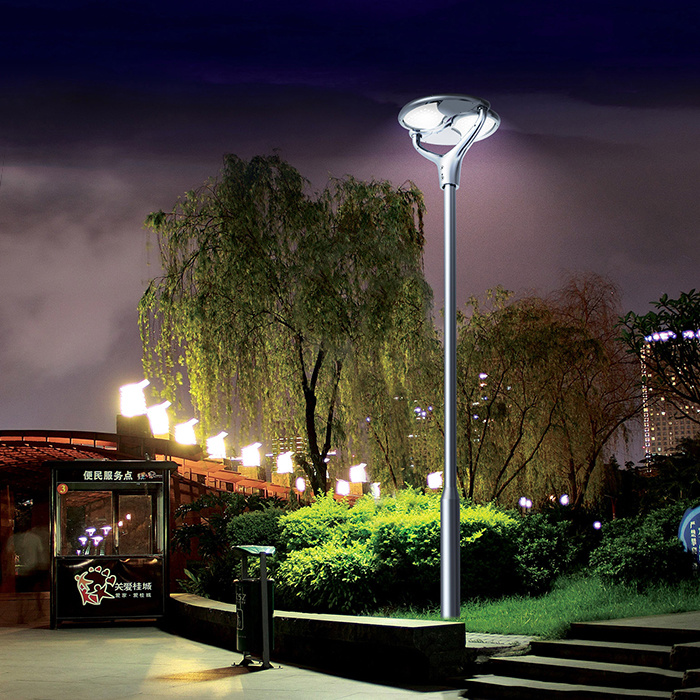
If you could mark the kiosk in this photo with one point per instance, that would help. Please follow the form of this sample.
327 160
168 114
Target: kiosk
109 539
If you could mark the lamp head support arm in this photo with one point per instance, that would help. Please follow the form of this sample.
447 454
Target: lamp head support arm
449 120
450 164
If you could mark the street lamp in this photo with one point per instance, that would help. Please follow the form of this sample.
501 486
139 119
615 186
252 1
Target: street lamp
457 121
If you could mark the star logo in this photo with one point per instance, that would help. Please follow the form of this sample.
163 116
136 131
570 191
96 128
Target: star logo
93 584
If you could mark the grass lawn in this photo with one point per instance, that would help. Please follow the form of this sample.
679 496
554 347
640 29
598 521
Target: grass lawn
574 599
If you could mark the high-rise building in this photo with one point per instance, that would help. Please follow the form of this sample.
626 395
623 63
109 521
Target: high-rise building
667 419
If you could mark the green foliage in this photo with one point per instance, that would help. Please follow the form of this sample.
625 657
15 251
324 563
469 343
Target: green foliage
329 578
272 299
544 551
213 536
672 365
259 527
644 550
580 598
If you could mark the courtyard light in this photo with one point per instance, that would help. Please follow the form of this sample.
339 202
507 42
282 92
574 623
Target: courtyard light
184 432
358 473
216 446
457 121
132 401
285 463
250 455
158 418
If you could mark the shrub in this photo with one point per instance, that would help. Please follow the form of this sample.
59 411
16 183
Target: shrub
644 550
260 527
328 578
327 520
544 551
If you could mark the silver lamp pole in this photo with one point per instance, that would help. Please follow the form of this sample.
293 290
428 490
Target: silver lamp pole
458 121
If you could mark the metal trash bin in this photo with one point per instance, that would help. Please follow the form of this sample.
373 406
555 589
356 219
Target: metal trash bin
255 605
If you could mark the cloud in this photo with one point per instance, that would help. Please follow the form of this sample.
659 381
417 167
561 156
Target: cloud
71 263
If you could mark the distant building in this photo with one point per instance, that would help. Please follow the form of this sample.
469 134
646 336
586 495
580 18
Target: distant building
667 420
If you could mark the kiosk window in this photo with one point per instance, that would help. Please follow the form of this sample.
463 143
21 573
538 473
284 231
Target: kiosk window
102 523
86 520
135 523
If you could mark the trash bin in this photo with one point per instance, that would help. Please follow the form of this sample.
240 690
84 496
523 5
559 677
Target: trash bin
255 605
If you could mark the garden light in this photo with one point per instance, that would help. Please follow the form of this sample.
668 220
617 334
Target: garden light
250 454
358 473
342 487
216 447
158 418
184 432
457 121
285 463
435 480
132 401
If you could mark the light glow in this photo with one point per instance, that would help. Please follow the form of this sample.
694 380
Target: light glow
300 484
285 463
342 487
216 447
358 474
250 455
435 480
427 116
184 432
132 399
597 524
158 418
564 499
375 489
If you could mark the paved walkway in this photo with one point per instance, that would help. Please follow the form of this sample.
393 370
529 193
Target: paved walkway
114 663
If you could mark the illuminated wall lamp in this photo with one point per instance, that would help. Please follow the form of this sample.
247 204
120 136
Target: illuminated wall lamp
132 401
435 480
216 447
158 418
358 474
250 455
184 432
285 463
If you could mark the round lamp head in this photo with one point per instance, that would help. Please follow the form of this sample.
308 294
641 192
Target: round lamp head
444 120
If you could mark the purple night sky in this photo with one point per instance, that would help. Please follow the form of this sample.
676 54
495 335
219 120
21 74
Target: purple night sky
111 110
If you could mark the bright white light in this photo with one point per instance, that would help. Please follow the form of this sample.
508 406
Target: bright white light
342 487
426 116
105 529
597 525
358 473
376 490
91 531
525 502
250 454
83 540
435 480
216 447
285 463
300 484
564 499
132 400
158 418
184 432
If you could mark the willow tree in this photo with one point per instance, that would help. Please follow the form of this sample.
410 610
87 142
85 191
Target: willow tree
270 294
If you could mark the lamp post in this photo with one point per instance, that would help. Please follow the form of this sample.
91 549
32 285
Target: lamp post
457 121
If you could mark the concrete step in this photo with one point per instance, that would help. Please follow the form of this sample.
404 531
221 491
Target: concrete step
636 634
585 672
686 694
655 655
488 686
